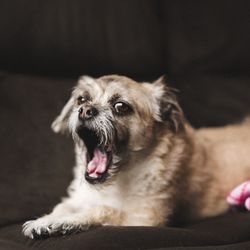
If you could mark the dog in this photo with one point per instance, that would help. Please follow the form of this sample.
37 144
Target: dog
139 162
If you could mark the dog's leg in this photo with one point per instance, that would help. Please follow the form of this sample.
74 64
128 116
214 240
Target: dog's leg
66 219
146 216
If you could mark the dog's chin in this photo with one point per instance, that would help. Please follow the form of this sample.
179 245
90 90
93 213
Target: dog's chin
99 156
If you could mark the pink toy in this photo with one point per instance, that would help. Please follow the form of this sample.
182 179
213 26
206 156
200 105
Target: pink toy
240 196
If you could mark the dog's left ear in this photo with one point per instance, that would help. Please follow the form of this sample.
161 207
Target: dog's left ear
60 124
169 108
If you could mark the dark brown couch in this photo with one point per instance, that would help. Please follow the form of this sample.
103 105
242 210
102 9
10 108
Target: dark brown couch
202 46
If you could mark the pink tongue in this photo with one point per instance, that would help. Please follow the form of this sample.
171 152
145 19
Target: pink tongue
98 164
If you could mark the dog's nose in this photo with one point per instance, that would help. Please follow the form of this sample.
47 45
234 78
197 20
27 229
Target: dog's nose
87 113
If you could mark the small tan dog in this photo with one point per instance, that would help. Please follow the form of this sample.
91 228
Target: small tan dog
138 161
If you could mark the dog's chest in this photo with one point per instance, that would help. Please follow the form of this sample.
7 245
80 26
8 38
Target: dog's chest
142 182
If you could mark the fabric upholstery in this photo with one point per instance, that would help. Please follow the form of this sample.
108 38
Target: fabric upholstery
224 232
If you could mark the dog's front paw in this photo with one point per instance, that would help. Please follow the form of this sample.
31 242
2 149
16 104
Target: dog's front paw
39 228
46 226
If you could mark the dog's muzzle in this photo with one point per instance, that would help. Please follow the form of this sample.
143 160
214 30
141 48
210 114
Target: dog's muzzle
99 152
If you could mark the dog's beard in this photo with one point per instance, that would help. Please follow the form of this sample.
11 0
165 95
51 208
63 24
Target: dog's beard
99 137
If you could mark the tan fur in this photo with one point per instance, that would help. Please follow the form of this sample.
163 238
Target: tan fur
168 168
220 161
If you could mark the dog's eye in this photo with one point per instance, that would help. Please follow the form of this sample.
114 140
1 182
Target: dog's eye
122 108
81 100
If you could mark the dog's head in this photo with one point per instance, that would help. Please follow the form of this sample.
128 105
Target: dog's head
114 117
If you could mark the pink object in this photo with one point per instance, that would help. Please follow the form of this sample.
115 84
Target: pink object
240 196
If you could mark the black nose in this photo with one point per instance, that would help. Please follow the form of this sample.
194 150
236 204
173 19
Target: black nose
87 113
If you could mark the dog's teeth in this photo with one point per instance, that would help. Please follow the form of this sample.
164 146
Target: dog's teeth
108 147
116 159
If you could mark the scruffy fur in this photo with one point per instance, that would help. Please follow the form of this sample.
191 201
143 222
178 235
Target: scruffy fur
166 167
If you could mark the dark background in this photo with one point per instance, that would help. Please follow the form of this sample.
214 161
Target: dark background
201 46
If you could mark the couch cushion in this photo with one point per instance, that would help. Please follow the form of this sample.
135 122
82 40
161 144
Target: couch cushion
213 100
207 37
68 37
223 232
36 164
131 37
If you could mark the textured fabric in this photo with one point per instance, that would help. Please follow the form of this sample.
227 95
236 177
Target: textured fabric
213 100
208 37
224 232
134 37
73 37
36 164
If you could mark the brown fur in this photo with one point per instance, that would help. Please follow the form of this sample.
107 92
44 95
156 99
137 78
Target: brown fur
165 167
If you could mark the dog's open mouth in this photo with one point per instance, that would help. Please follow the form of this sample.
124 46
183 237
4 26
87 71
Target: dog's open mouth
99 156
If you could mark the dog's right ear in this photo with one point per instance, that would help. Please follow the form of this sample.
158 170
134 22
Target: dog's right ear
169 108
60 124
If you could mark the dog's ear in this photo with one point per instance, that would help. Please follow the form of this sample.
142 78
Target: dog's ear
60 124
169 108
